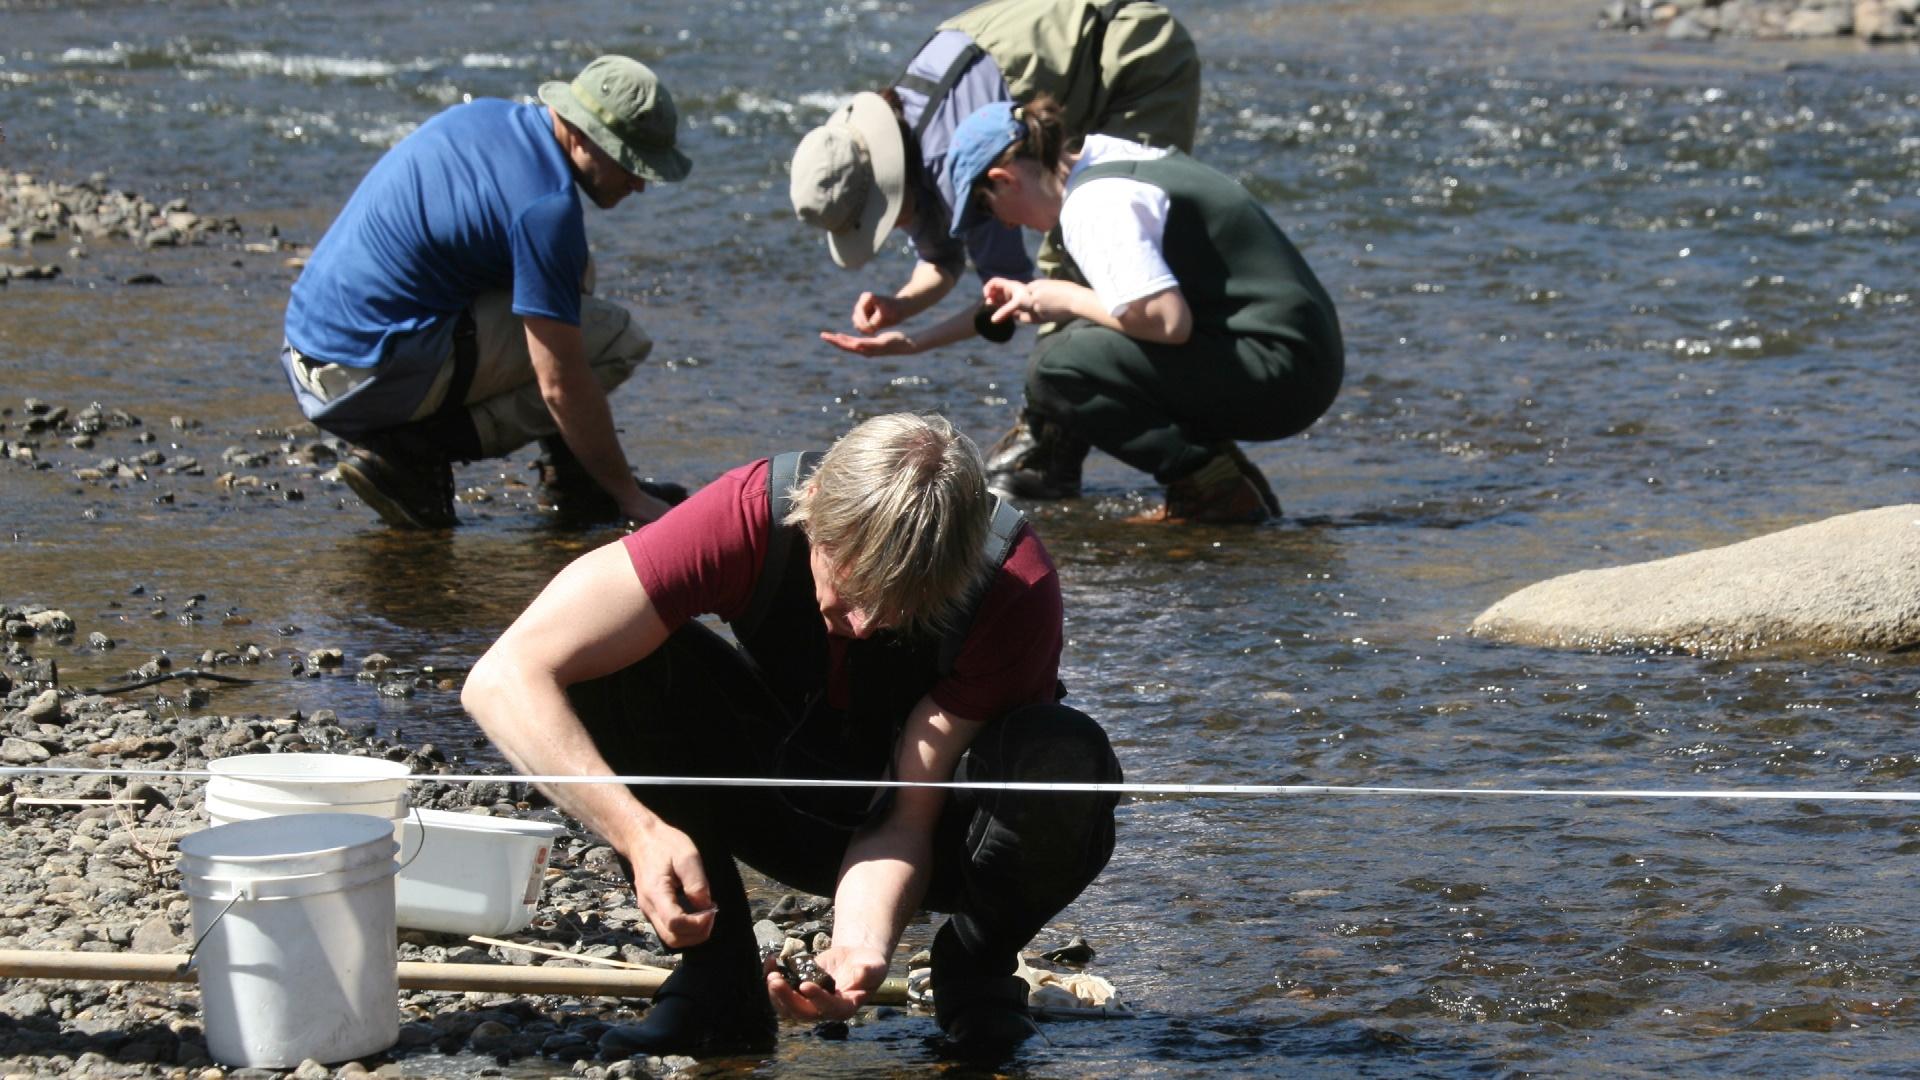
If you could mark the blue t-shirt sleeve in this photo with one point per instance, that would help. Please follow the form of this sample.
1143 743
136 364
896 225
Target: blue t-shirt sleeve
931 244
996 250
549 241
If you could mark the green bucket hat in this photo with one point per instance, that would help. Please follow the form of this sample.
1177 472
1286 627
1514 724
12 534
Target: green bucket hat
620 104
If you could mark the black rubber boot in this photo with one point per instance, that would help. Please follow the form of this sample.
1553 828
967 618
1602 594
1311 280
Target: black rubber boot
1036 459
983 1017
403 476
577 496
1253 474
1220 493
701 1010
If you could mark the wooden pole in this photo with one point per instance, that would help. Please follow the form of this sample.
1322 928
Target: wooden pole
414 975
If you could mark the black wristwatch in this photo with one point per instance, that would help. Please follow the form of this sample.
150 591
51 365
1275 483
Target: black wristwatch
997 332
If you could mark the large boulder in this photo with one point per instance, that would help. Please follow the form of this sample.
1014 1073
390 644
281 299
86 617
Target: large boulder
1847 583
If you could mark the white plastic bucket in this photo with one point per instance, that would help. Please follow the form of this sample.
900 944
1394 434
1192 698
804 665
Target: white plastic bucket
468 874
225 811
254 786
302 779
294 919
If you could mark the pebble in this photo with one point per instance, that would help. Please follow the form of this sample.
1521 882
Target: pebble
15 751
43 709
1872 21
38 212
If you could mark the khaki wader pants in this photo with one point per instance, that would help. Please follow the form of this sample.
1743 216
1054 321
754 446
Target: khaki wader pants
504 399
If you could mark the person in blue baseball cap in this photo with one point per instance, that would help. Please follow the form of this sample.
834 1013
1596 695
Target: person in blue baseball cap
877 163
1199 324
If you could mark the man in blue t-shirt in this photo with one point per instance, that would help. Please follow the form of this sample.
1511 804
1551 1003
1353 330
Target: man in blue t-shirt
444 316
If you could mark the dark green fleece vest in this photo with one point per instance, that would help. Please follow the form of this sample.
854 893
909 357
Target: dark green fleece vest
1240 274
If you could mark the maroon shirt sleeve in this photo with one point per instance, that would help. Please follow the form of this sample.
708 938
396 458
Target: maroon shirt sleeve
1012 652
704 555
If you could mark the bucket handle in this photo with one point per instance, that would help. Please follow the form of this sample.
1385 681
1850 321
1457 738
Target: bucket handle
241 892
419 826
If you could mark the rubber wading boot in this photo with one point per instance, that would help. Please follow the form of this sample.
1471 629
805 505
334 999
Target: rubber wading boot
1037 459
405 478
577 496
699 1012
1217 494
1252 472
983 1018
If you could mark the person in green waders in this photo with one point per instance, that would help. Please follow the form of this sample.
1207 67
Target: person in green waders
1200 323
1122 67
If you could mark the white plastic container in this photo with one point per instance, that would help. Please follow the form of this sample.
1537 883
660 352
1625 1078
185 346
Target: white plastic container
297 955
468 874
254 786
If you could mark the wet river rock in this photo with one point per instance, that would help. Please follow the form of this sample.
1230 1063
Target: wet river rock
34 212
1871 21
1847 583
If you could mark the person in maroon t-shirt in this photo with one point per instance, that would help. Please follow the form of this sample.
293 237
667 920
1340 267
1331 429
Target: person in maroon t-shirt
881 635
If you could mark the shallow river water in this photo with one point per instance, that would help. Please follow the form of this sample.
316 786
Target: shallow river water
1606 299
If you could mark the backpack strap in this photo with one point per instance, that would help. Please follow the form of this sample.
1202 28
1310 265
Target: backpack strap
937 92
1005 528
783 473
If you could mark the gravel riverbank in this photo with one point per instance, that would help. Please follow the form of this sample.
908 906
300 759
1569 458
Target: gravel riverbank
101 877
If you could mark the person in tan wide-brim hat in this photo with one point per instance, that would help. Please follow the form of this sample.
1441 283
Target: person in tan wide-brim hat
445 316
850 178
1123 68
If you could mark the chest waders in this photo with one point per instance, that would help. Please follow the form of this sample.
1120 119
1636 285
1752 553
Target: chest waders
1041 47
1033 48
887 674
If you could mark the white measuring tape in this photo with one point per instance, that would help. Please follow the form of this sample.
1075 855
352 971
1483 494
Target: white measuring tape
1735 794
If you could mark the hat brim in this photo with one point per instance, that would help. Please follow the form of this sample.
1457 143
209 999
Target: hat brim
873 121
663 166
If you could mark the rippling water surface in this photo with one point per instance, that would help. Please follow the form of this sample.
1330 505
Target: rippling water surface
1606 299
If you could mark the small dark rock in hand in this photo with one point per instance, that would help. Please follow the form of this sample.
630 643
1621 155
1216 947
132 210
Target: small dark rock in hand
803 968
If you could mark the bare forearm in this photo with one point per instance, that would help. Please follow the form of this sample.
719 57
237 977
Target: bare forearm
927 286
884 873
580 409
957 327
1163 317
592 619
529 719
881 883
578 404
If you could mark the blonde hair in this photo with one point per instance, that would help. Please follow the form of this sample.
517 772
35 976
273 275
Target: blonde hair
899 506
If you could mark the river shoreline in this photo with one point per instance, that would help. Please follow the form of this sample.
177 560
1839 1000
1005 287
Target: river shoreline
83 874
